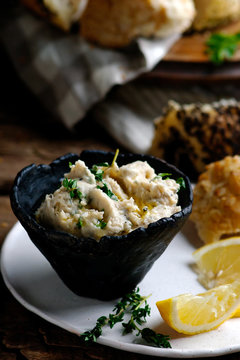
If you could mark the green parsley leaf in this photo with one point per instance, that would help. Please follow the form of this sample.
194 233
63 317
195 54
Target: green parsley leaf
221 47
101 224
107 191
181 182
104 164
80 223
98 173
71 186
164 175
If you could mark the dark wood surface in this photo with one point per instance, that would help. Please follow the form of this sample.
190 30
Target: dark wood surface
27 135
191 47
187 61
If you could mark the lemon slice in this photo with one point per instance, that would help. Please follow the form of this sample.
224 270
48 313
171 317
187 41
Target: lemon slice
193 314
218 263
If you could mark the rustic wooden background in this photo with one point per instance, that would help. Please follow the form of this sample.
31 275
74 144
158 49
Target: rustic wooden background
28 135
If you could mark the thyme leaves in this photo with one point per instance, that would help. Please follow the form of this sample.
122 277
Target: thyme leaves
71 186
135 305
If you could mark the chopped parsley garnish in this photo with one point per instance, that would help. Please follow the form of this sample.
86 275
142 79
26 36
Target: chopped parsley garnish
104 164
80 223
71 186
101 224
163 176
107 191
98 173
136 306
166 176
181 182
221 47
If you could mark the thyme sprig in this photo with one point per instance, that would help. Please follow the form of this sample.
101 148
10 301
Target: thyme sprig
132 304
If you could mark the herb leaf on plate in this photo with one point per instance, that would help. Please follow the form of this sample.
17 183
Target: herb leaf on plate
135 305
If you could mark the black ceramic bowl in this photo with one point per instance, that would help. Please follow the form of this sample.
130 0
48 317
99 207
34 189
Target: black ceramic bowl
116 264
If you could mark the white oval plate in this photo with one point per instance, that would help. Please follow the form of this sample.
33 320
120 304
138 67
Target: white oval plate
34 283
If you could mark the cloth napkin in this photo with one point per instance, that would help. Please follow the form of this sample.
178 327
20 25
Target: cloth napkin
72 78
69 75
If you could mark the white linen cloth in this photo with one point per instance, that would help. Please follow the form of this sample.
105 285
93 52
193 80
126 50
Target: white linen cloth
69 75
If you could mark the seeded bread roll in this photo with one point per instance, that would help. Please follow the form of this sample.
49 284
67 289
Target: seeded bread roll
115 23
212 13
62 13
216 204
191 136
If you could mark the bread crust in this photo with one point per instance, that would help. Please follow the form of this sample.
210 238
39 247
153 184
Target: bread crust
114 23
212 13
193 135
216 200
60 13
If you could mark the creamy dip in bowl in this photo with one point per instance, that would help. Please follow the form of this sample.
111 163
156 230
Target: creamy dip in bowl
102 223
109 200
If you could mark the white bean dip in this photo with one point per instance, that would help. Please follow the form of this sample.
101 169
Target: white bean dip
109 200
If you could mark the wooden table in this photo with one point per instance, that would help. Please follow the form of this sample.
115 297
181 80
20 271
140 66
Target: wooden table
27 135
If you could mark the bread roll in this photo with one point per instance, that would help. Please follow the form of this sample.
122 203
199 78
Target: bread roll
216 201
212 13
62 13
115 23
191 136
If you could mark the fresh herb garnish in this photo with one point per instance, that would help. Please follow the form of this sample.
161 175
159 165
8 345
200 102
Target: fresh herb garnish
98 173
163 176
166 176
132 304
221 47
107 191
71 186
181 182
101 224
104 164
80 223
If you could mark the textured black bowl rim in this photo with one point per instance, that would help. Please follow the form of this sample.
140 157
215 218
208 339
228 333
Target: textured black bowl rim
32 225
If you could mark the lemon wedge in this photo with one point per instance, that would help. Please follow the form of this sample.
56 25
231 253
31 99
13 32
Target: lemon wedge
218 263
193 314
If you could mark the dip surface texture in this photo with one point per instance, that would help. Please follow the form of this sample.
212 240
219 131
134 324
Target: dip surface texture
109 200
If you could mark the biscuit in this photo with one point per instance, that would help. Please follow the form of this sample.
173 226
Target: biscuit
115 23
212 13
216 200
62 13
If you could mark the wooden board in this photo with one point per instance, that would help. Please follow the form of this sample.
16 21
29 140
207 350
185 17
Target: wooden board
187 61
192 48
